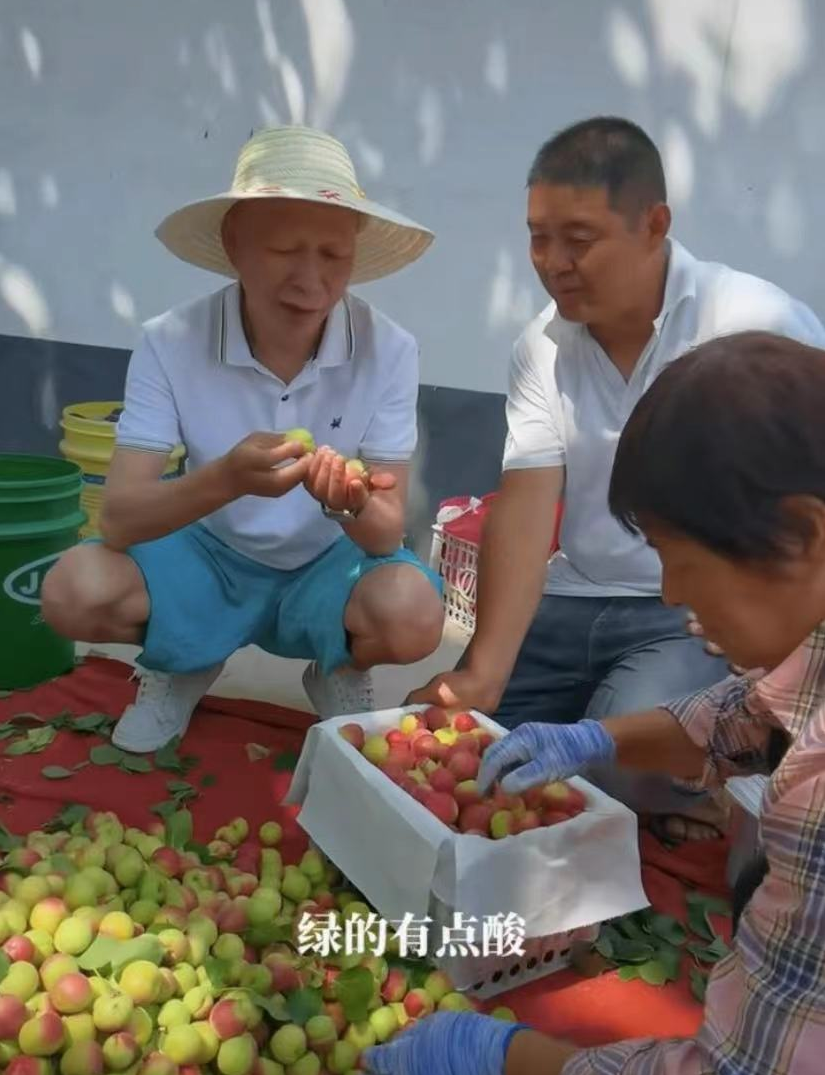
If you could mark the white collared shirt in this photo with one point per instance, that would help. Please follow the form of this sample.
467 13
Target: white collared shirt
193 379
567 405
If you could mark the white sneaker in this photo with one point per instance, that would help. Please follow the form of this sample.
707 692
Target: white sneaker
162 709
340 693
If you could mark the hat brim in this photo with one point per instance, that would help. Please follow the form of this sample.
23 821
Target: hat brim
386 243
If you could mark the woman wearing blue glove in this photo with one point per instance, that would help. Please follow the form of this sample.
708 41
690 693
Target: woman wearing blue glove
722 467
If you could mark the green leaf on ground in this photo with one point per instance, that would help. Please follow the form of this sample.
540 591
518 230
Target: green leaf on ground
670 958
629 973
653 972
286 762
91 722
709 953
698 984
56 772
6 694
179 829
190 762
68 816
106 754
167 758
354 989
208 780
667 928
32 742
133 763
699 923
8 841
164 809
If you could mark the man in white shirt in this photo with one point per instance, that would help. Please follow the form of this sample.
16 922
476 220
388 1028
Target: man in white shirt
262 540
588 634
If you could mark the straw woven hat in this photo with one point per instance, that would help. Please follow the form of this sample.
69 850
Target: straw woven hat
301 163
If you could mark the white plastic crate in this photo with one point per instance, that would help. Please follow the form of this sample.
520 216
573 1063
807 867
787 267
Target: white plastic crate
562 881
456 561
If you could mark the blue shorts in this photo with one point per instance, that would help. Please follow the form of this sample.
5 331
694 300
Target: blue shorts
207 600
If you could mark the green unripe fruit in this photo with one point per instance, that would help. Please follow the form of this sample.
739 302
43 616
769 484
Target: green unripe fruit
174 1013
73 936
82 1058
342 1058
183 1044
21 981
309 1064
236 1056
288 1044
112 1013
295 885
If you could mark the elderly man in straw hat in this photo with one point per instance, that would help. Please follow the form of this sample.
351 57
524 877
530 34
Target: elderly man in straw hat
262 540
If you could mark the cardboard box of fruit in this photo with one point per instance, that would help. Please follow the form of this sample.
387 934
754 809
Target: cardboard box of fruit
389 810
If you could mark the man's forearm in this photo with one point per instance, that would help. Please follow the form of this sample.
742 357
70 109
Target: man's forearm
512 570
153 509
379 528
655 742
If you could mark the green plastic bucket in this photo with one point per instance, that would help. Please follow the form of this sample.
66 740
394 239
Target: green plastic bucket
40 517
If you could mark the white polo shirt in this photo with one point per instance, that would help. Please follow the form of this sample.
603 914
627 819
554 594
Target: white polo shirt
193 379
567 405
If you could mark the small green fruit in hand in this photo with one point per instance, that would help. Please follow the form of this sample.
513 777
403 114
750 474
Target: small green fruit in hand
270 834
356 468
288 1044
300 436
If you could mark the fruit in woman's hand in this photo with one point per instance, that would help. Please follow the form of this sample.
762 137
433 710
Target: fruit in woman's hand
507 1015
437 985
464 722
502 824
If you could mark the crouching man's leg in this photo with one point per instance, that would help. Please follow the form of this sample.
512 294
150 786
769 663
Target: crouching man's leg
348 612
186 598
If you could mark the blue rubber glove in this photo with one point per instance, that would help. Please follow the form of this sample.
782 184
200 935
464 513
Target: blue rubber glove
538 753
448 1043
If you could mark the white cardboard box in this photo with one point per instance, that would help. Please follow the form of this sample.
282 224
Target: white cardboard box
557 879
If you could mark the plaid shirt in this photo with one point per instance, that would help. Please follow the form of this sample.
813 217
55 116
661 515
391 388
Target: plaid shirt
765 1003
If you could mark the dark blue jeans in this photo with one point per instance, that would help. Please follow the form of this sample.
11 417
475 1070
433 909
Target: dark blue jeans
601 657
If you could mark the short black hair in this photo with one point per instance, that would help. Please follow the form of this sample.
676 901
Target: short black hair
720 440
604 152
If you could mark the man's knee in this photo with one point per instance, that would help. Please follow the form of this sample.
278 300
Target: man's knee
399 605
90 590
